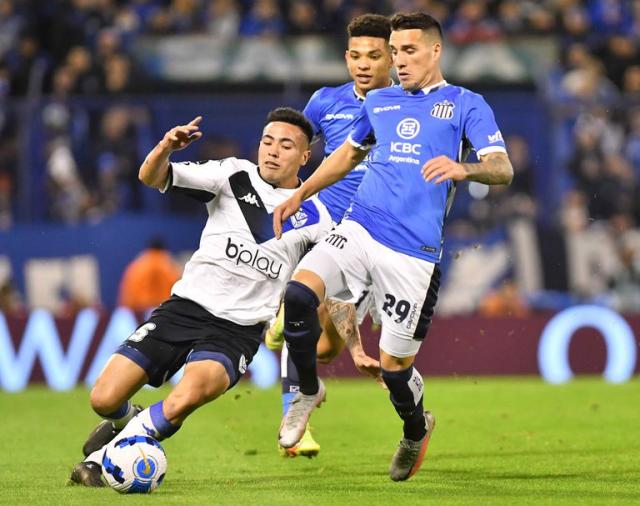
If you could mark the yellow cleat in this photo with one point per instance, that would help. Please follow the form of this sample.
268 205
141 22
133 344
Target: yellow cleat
274 338
306 447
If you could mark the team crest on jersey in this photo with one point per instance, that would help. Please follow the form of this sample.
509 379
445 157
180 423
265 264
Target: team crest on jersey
408 128
443 110
299 219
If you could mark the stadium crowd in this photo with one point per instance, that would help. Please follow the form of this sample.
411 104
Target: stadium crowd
73 48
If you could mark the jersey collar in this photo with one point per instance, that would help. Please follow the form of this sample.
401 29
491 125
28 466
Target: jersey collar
277 187
361 97
434 87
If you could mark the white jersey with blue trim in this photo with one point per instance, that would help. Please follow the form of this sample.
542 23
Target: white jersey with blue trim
332 112
394 203
240 270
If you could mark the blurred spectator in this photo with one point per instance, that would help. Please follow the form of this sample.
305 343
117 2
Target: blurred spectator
472 23
11 22
504 301
223 19
116 162
11 303
264 19
625 283
304 19
148 279
88 79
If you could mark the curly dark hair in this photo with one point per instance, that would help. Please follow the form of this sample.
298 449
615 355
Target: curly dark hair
293 117
413 20
370 25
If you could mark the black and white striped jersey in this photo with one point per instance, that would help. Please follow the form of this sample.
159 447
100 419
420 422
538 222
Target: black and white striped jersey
239 270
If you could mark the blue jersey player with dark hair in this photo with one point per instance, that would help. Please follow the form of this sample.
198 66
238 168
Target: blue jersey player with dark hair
392 236
332 112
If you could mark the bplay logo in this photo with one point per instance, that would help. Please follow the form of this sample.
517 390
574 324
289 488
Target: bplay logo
408 128
253 259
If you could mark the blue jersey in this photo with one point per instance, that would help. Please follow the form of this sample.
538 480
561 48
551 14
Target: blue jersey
394 203
332 112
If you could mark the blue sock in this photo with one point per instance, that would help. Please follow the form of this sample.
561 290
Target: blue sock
286 401
406 392
301 331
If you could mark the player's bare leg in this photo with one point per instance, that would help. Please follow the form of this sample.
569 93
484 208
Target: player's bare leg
406 393
109 398
203 381
120 379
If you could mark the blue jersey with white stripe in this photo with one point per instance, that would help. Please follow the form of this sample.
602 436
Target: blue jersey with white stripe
332 112
394 202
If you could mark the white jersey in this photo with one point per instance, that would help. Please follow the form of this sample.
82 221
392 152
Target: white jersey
239 271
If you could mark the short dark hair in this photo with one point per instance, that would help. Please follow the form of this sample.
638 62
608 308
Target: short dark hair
293 117
370 25
416 20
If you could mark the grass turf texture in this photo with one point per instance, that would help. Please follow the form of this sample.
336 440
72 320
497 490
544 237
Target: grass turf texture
497 441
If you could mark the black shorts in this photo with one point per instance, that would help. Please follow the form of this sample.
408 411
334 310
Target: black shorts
181 331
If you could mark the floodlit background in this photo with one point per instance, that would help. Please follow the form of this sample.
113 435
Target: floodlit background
541 280
87 87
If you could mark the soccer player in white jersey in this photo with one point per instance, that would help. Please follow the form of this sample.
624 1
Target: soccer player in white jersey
392 235
214 321
332 112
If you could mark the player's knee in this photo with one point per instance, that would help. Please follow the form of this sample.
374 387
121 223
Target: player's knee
326 355
299 298
104 399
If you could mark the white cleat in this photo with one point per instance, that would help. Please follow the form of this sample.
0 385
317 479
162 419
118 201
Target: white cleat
295 421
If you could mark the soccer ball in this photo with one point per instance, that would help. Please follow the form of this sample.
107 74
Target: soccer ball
134 465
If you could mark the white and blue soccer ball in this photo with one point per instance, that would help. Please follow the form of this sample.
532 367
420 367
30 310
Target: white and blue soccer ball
134 465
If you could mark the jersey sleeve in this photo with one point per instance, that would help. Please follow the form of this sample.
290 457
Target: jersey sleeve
200 180
313 112
361 135
481 129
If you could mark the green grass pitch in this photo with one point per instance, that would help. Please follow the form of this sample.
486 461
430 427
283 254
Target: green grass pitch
497 441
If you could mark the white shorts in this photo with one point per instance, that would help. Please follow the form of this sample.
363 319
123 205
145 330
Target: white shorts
404 288
367 306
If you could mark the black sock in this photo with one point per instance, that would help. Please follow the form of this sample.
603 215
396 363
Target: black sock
301 331
405 391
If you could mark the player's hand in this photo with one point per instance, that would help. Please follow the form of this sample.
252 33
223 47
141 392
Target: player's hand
442 168
181 136
284 211
368 365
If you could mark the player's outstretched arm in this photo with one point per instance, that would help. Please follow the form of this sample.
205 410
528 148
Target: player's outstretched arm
343 316
155 168
493 168
332 169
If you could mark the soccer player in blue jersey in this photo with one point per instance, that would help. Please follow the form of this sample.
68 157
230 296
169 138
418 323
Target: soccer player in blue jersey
332 112
392 236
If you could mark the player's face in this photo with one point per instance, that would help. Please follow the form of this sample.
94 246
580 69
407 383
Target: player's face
284 148
416 56
369 63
